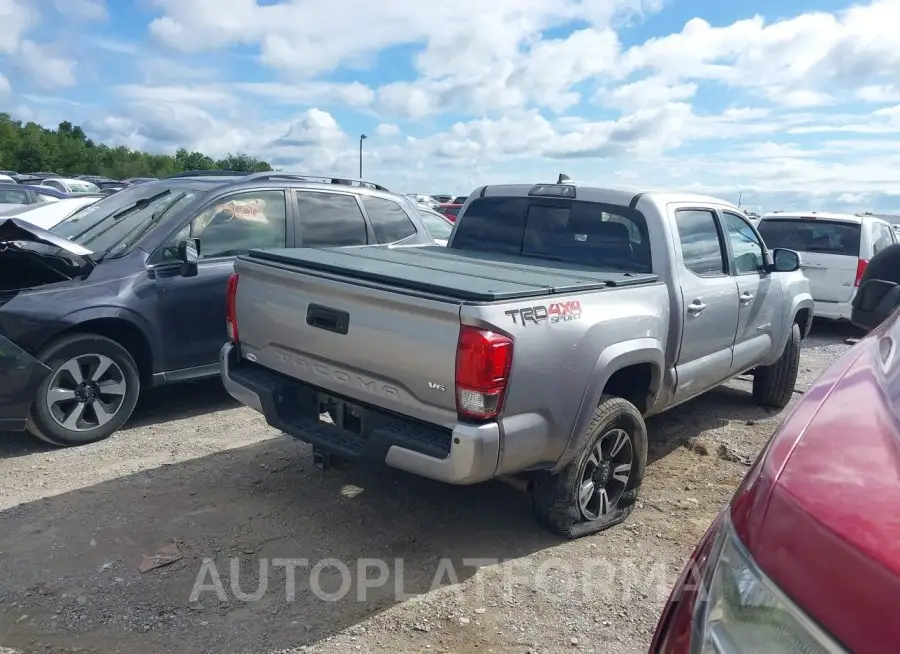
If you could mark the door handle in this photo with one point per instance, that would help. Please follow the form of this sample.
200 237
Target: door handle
696 307
331 320
746 297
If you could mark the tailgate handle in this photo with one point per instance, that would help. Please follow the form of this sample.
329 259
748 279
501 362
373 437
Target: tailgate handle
331 320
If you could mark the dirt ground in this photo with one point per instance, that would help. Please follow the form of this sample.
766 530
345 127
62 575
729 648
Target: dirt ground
429 567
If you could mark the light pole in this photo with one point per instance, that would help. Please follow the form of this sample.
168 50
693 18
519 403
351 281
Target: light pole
362 137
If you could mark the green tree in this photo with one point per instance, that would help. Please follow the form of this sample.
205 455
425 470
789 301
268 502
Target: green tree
243 163
67 150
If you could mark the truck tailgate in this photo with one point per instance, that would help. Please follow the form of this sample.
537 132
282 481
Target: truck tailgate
393 350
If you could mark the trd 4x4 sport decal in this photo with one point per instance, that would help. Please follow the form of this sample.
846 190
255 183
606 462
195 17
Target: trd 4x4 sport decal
546 313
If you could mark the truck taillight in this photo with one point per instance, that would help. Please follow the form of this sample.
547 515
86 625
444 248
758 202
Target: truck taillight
231 308
860 270
483 360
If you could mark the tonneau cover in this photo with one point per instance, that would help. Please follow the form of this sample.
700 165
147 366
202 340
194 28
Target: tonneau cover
461 274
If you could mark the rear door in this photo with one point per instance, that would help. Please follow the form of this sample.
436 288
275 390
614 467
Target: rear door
709 303
829 248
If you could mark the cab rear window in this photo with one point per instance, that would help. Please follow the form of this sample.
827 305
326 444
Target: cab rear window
811 235
609 237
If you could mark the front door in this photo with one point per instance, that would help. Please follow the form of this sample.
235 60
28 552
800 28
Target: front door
759 295
709 304
192 309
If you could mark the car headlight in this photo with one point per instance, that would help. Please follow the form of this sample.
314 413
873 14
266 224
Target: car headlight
744 612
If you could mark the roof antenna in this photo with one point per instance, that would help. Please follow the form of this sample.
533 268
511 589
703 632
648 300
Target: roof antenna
564 179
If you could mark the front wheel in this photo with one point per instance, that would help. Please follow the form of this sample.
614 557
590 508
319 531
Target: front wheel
90 393
774 385
598 488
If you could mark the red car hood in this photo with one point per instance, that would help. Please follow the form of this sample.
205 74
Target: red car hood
821 514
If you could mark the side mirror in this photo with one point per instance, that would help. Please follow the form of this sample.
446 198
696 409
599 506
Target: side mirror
874 303
189 255
784 260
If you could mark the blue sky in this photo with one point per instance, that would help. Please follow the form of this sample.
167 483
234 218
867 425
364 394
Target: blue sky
787 104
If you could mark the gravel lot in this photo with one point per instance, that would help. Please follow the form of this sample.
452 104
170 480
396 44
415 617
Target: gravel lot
195 470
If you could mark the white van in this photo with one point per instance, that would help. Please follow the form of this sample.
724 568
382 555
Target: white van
834 251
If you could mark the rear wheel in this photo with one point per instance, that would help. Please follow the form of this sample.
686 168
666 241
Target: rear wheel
774 385
90 393
598 488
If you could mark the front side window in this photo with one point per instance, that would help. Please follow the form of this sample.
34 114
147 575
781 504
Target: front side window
747 250
701 247
330 220
236 224
389 220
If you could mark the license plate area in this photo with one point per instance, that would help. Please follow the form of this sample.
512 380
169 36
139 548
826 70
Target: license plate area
346 416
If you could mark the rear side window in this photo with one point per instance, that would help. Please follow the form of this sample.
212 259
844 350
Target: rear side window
389 220
701 246
449 211
330 220
584 233
811 235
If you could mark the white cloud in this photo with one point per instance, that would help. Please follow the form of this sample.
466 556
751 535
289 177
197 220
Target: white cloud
388 130
86 10
353 94
878 93
476 56
46 69
648 92
17 18
800 61
5 86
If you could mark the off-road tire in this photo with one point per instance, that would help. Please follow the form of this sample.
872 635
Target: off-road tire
555 496
40 421
773 386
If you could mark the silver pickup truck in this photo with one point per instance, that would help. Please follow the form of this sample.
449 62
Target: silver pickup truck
532 347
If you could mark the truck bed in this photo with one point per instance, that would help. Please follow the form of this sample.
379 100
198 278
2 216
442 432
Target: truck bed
463 275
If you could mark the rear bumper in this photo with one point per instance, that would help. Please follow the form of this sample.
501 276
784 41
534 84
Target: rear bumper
467 454
20 376
833 310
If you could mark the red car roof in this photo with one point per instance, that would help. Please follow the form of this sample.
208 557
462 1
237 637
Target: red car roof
821 513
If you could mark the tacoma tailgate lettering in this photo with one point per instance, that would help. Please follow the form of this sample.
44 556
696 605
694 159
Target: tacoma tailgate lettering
340 376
